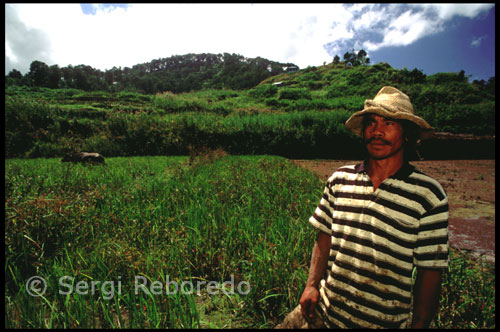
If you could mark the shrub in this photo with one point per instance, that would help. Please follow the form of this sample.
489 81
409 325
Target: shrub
132 97
382 66
338 90
171 103
294 93
118 125
104 145
45 150
23 117
264 91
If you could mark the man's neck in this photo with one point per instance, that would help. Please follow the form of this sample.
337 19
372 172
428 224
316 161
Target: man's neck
381 169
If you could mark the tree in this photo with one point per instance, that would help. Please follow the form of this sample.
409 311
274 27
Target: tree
362 59
108 77
336 59
81 77
67 77
14 78
490 86
15 74
349 58
54 77
356 59
39 73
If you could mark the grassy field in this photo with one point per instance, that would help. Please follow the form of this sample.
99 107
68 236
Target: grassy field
209 218
298 120
113 241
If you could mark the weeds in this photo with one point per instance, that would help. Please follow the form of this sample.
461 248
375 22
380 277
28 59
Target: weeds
210 217
152 217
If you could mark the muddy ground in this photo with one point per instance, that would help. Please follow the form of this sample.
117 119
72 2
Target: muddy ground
470 185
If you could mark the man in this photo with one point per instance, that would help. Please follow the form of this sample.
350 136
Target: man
377 221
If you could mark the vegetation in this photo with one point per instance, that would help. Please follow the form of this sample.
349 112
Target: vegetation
221 213
300 118
180 73
206 217
353 58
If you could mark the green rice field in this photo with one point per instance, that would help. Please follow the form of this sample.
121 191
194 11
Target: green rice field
203 241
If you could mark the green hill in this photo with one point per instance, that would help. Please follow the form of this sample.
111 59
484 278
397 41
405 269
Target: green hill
298 115
178 73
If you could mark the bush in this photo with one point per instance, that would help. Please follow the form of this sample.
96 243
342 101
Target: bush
24 117
382 66
132 97
294 94
276 104
264 91
86 112
338 90
45 150
118 125
444 78
104 145
171 103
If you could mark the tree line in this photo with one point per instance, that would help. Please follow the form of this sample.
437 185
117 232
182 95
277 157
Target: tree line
179 73
354 59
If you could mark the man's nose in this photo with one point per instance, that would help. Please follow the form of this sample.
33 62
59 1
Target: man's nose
377 129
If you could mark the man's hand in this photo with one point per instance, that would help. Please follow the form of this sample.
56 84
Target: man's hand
319 262
308 301
426 297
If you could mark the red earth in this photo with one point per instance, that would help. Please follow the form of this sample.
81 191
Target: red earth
470 185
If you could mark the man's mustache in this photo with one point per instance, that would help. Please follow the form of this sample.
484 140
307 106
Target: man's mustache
377 140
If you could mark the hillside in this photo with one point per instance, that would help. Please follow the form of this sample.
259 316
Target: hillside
178 73
300 117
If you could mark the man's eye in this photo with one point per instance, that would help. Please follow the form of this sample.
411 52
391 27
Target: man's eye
389 123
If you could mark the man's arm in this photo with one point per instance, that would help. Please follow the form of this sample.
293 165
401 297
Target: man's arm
319 262
426 297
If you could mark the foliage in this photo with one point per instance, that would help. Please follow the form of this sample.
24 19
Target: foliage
467 295
210 218
294 94
354 59
207 217
41 120
264 91
179 73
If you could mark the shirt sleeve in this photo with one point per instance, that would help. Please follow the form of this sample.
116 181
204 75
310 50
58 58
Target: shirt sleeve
322 217
431 249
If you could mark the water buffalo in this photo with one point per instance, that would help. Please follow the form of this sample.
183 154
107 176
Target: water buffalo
84 157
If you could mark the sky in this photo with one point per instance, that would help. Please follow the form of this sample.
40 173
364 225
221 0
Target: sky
430 37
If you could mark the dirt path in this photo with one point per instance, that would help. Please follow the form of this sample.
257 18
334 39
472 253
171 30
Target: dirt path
470 185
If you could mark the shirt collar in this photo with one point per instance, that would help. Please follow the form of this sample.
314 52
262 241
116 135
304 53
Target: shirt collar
405 170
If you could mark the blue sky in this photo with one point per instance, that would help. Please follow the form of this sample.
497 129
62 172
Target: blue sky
430 37
467 44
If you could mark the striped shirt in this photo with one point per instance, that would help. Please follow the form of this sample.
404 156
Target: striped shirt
377 238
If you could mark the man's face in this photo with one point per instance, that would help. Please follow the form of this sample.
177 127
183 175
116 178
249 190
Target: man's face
383 137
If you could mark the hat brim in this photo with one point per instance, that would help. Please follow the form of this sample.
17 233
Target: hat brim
355 122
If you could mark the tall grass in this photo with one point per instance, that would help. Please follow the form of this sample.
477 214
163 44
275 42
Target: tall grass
292 121
207 218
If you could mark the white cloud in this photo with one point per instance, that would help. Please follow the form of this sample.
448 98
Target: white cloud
476 42
449 10
406 29
368 19
305 34
378 26
142 32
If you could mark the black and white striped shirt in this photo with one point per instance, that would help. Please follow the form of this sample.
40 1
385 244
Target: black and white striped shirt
378 237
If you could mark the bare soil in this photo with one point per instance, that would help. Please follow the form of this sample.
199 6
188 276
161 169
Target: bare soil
470 185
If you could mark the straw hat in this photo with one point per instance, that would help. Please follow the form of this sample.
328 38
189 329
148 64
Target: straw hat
389 103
